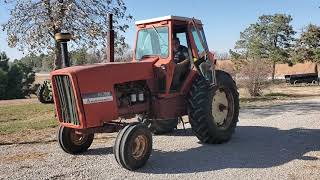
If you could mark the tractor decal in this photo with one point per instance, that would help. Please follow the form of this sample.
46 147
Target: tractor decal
99 97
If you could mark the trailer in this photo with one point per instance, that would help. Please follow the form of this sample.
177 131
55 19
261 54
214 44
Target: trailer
298 79
299 74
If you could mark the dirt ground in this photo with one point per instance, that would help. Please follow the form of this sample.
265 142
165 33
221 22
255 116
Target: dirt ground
278 141
275 139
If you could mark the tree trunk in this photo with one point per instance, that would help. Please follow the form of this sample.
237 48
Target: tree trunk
273 70
58 59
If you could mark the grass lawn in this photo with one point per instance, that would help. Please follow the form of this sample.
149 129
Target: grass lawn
25 117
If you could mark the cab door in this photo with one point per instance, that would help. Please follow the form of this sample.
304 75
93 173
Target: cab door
202 59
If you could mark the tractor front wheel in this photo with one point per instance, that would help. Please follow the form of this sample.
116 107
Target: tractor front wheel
133 146
213 112
72 142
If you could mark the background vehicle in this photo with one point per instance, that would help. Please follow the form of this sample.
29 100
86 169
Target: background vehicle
91 99
306 73
295 79
44 92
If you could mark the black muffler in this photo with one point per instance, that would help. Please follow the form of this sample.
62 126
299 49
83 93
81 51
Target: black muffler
63 39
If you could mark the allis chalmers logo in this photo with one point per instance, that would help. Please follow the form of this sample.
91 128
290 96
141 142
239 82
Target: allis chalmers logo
90 98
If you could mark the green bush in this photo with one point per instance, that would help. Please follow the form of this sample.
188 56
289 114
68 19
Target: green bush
28 77
3 83
15 81
14 87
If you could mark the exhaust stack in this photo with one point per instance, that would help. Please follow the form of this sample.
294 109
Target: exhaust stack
110 40
63 39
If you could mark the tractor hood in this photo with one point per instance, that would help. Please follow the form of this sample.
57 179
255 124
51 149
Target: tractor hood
93 87
108 74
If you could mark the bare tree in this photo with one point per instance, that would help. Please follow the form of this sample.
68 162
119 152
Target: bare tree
254 75
222 56
33 23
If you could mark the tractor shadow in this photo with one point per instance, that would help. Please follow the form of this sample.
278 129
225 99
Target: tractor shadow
180 132
250 147
99 151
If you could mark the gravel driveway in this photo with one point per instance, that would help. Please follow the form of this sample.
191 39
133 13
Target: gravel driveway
272 142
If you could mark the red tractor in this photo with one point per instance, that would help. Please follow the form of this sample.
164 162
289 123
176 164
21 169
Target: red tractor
95 98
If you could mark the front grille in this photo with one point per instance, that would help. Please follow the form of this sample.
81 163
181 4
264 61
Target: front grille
67 100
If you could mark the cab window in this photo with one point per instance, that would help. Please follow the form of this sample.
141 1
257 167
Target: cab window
183 38
197 40
152 41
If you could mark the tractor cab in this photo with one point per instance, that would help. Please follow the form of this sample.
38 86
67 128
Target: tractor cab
155 40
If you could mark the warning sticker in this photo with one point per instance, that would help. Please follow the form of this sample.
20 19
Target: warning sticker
91 98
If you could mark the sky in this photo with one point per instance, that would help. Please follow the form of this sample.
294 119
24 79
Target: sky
223 20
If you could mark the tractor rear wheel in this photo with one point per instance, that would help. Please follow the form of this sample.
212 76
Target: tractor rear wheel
74 143
213 112
163 126
133 146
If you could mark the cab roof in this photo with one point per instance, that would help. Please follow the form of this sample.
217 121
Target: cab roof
169 17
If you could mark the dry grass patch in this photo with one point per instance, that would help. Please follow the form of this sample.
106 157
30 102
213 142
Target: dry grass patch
26 122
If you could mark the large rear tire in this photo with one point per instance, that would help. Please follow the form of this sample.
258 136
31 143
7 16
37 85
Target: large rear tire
74 143
213 112
133 146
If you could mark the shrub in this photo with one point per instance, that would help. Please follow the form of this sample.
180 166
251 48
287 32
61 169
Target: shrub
15 81
254 76
14 86
28 77
3 83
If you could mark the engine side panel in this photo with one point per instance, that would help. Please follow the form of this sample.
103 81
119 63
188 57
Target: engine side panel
95 85
102 80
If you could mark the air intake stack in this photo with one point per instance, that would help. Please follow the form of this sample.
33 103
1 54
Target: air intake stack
110 40
63 39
